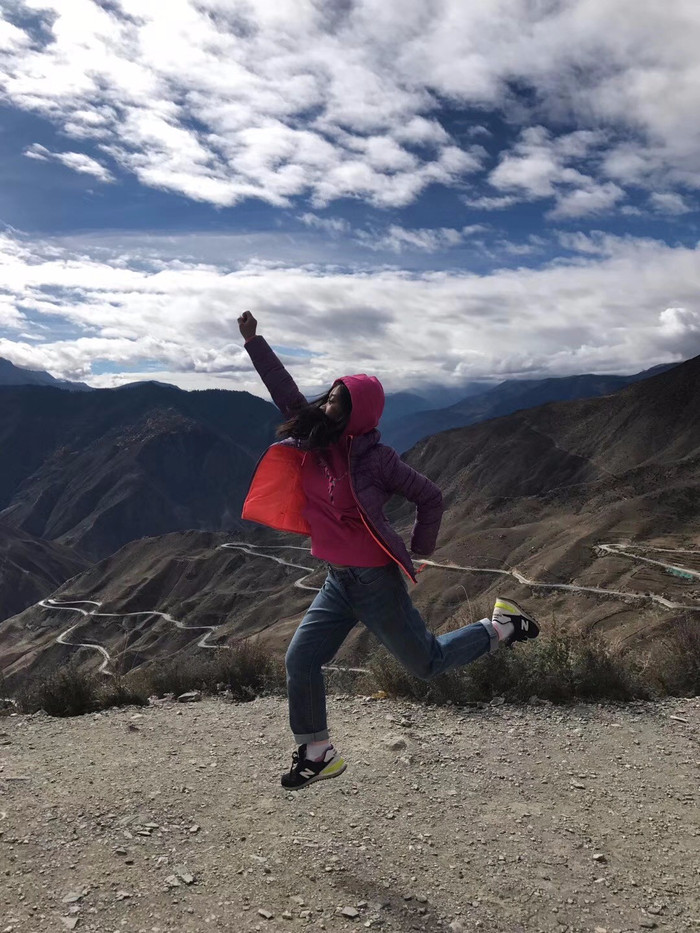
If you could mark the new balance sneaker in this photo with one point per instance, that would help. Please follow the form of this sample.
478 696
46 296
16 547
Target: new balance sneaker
304 771
524 625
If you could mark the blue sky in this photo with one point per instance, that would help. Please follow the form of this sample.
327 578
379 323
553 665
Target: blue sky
434 192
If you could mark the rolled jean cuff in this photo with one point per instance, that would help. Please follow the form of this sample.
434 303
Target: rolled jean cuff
312 737
493 637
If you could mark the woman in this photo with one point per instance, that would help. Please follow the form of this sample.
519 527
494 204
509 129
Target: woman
330 478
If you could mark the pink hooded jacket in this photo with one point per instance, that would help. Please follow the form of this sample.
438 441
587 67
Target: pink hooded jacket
276 499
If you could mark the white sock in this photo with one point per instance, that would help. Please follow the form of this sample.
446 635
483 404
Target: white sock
316 750
503 629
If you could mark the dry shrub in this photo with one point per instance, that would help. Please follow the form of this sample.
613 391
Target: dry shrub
249 671
246 670
177 676
69 691
7 702
672 664
123 691
560 668
74 691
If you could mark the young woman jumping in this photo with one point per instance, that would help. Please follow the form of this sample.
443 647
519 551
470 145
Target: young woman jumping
329 477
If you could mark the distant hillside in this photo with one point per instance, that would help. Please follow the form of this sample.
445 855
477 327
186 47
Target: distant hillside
187 575
404 430
401 404
31 569
97 469
540 489
533 496
11 375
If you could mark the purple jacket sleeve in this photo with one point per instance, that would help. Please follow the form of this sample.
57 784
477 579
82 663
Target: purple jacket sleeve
402 479
283 389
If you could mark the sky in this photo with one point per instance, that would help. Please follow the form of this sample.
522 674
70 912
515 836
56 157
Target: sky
432 191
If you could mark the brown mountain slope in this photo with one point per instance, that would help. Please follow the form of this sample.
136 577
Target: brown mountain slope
537 491
536 451
95 470
532 500
158 596
31 568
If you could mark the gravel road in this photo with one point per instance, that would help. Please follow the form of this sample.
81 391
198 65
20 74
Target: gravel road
500 819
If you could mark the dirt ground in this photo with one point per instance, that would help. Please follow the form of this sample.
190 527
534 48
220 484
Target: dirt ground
500 819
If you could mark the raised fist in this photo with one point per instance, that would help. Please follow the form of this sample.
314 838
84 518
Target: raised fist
247 325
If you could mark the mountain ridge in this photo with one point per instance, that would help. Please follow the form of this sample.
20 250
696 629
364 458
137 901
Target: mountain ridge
97 469
503 399
11 375
533 499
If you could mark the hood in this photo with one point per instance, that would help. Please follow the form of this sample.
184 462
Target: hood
367 397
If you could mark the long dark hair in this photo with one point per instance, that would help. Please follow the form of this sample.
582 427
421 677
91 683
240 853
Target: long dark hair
311 425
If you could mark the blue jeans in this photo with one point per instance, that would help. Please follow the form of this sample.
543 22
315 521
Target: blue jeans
378 597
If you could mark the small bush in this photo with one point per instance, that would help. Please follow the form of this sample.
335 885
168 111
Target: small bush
123 691
8 704
673 662
72 691
177 676
246 670
561 669
69 691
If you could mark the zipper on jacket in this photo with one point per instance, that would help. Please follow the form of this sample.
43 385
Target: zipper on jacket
373 533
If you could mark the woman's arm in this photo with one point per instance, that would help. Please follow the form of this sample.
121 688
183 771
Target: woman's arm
283 389
400 478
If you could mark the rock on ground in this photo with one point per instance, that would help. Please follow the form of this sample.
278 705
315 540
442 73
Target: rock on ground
503 820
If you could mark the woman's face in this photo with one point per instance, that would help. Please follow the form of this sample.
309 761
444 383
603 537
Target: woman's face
334 409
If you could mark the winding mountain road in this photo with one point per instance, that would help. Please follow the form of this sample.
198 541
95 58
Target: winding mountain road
626 548
257 550
254 548
74 606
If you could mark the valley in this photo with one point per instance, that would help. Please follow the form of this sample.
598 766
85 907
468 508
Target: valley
98 622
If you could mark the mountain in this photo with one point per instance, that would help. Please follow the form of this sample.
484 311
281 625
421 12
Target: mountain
11 375
31 568
153 382
438 395
514 394
535 496
400 405
189 576
540 490
97 469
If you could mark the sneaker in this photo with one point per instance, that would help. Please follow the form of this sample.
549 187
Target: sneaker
507 610
304 771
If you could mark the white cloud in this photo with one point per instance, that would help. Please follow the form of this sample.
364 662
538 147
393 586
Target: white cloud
422 131
632 304
540 166
75 160
629 164
396 239
533 166
669 203
677 322
334 226
12 39
11 318
221 102
595 243
584 201
487 203
680 330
